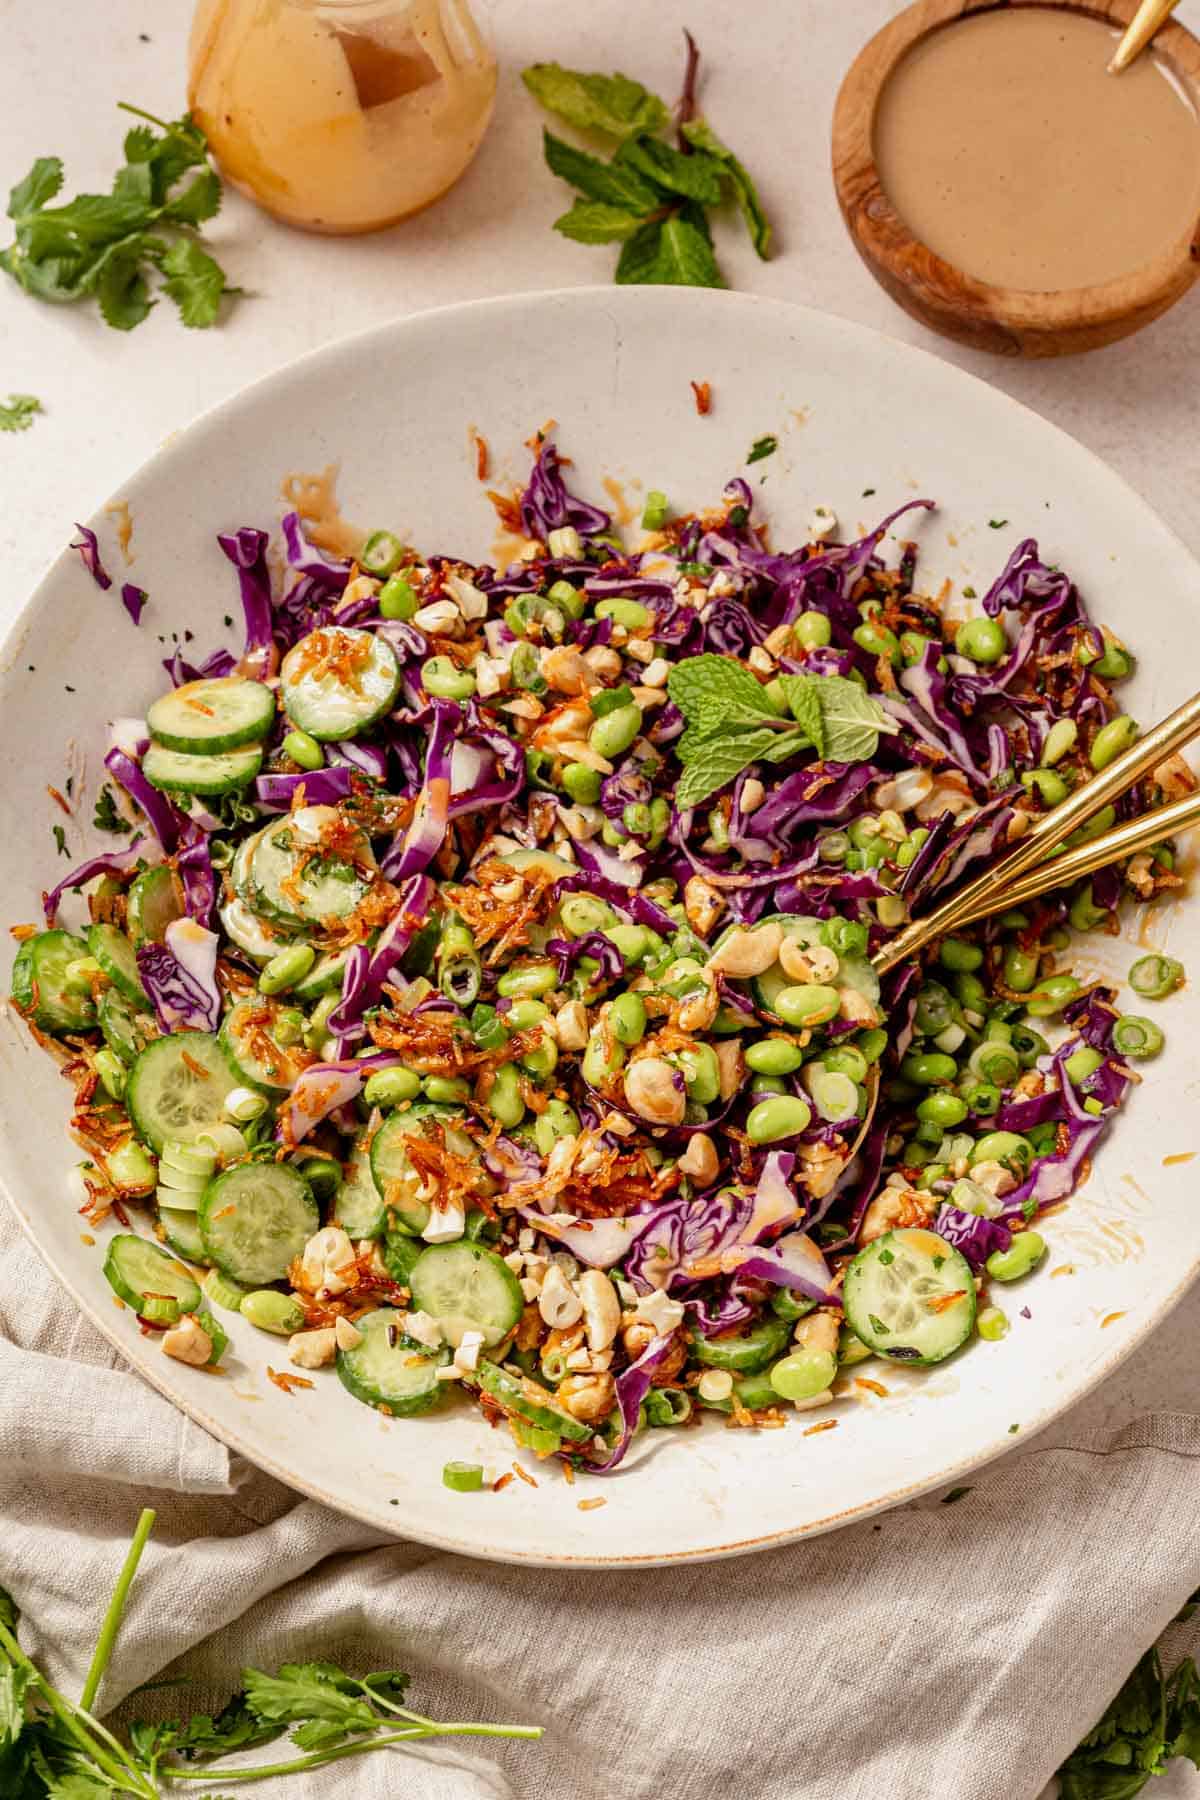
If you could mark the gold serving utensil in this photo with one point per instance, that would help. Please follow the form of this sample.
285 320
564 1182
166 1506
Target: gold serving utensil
1145 22
1033 868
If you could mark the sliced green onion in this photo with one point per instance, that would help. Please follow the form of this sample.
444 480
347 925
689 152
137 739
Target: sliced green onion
1137 1037
463 1477
1154 977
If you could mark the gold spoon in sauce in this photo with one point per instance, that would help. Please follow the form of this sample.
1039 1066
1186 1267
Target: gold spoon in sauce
1145 22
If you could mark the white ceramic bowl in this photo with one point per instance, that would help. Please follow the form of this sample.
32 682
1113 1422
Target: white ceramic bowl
853 412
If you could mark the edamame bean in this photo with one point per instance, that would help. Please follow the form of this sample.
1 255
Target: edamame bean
527 980
1003 1147
614 733
272 1311
1132 1036
767 1084
774 1056
582 784
627 1018
982 640
447 1090
877 640
701 1073
960 957
558 1121
445 680
603 1056
504 1101
523 1015
633 941
944 1110
580 913
303 750
807 1005
1115 664
992 1324
389 1087
397 600
636 819
629 613
782 1116
1020 969
1052 790
1082 1063
286 969
1112 740
1061 737
1051 995
803 1374
655 511
934 1010
872 1044
845 1060
913 645
1023 1254
543 1060
1083 913
322 1174
930 1070
813 630
970 992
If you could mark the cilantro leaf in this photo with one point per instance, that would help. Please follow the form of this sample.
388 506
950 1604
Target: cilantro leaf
701 680
596 179
60 840
106 816
721 761
200 200
19 412
303 1691
121 291
613 104
194 281
38 188
763 447
697 177
594 222
700 133
1183 1712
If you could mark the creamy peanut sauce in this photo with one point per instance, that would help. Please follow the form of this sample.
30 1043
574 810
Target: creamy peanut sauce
341 115
1008 149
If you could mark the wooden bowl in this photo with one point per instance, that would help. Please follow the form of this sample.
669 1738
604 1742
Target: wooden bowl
1011 321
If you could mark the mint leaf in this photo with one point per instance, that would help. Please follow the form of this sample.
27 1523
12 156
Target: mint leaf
787 743
687 259
851 719
701 680
641 257
700 133
596 179
722 761
594 222
696 177
610 103
803 699
39 186
194 281
19 412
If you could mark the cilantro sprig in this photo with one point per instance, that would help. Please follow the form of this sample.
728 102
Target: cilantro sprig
1151 1721
650 196
52 1748
733 720
108 247
18 413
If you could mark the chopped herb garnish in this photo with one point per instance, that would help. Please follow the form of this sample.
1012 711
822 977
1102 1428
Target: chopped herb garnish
887 1256
955 1493
867 492
938 1261
17 414
997 524
60 839
763 447
106 816
1012 1429
968 593
878 1325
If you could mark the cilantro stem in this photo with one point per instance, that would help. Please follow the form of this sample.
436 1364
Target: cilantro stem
116 1610
162 124
298 1765
123 1773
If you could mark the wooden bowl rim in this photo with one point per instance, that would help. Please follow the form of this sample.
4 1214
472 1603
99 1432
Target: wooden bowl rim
887 239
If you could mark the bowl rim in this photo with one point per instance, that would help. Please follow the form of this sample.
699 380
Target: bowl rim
940 292
191 1403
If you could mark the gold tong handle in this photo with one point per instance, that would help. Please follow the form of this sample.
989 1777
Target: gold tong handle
992 891
1145 22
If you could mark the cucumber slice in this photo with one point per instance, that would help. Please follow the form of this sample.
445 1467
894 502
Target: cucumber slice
39 988
855 972
543 860
400 1253
135 1268
358 1205
239 868
325 976
297 881
177 1088
467 1288
754 1392
127 1028
213 715
115 954
530 1401
335 682
390 1370
175 772
910 1295
255 1219
259 940
182 1231
254 1055
748 1351
395 1177
155 901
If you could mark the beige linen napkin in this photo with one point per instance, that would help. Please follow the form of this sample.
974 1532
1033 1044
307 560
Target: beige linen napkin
936 1653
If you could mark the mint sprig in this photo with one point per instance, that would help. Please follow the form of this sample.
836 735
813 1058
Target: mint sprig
651 196
732 721
109 247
